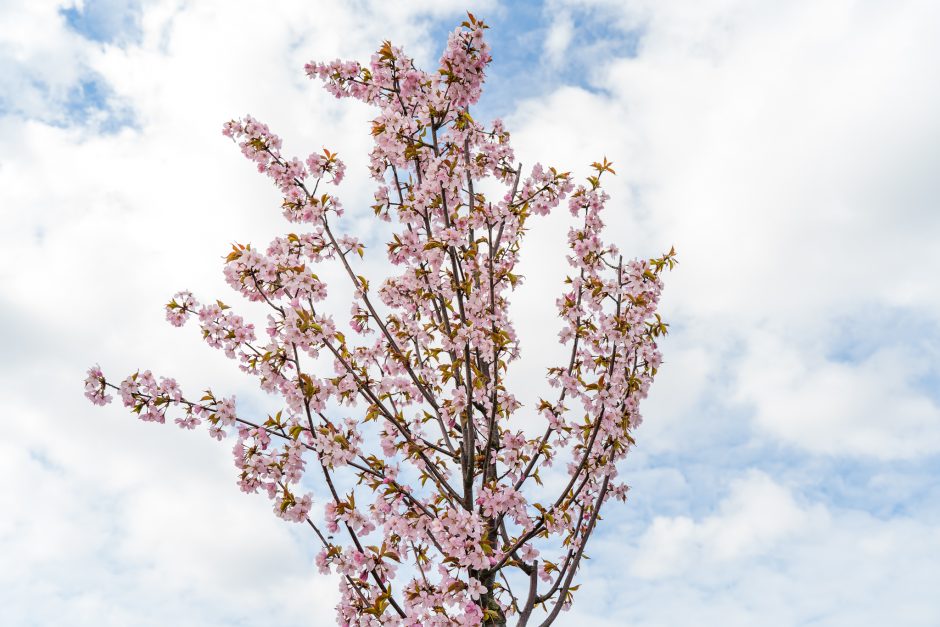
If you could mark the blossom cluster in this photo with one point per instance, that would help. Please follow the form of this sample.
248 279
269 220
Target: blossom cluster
432 508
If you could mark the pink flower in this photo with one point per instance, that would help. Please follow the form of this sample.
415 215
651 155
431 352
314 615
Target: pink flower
95 387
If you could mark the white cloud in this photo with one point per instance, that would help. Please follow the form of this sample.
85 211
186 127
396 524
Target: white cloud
756 516
763 556
869 407
37 73
558 37
110 531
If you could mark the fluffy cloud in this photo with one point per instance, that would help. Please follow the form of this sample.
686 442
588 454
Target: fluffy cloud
757 516
765 556
872 407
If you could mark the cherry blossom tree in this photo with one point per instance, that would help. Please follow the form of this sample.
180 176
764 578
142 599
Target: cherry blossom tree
433 508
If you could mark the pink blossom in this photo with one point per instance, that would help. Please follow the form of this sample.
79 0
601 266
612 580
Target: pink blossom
95 387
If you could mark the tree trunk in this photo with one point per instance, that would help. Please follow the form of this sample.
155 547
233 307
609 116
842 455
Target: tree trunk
489 603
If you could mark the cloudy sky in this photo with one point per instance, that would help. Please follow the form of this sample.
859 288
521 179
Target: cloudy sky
787 470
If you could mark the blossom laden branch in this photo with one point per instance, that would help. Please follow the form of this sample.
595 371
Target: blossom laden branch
443 520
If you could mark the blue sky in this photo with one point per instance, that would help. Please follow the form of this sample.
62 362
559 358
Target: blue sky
786 470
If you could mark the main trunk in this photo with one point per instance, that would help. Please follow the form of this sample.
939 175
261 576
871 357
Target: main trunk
489 603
